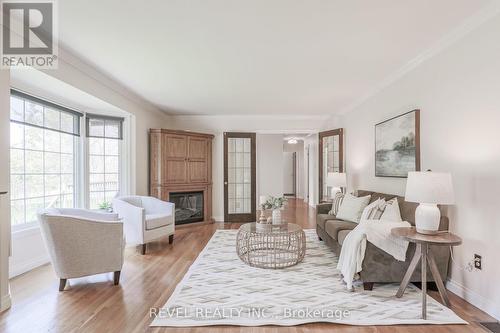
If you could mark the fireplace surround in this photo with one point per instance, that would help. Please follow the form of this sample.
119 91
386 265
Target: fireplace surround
180 164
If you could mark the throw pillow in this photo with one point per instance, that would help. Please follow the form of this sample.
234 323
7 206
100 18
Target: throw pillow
352 207
377 213
374 210
391 212
368 210
337 200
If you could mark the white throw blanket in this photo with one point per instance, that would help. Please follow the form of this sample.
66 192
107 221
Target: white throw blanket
376 232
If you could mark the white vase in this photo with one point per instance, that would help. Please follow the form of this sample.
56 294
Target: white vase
277 216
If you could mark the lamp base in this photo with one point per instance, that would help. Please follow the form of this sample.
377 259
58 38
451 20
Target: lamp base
427 217
427 232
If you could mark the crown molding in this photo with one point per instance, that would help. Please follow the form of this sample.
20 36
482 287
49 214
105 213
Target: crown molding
86 69
466 27
253 116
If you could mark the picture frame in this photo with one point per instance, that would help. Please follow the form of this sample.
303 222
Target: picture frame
397 145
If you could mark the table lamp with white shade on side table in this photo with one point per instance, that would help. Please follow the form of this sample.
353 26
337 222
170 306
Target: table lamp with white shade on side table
337 181
429 189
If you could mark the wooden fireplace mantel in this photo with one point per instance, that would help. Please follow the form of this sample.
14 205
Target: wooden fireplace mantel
181 161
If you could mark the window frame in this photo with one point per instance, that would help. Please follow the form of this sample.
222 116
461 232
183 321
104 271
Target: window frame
14 93
122 153
126 176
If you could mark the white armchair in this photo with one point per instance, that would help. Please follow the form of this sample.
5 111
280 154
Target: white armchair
82 242
145 219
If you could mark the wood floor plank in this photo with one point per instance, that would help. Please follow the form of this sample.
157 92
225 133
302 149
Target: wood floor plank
94 304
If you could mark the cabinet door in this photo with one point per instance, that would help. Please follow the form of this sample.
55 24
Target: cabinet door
174 156
197 148
198 160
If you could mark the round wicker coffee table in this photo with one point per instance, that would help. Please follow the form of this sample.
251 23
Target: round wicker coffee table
271 246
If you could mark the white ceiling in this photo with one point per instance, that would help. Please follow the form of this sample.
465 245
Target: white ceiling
39 84
255 57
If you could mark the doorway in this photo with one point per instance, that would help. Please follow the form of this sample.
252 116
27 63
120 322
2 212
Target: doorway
239 177
331 159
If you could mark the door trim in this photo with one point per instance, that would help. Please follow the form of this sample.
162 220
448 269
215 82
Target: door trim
294 181
252 216
321 135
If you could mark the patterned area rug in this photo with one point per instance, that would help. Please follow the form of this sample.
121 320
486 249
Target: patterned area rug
219 289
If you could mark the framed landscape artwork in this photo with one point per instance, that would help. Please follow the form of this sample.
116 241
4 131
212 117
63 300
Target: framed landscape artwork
397 145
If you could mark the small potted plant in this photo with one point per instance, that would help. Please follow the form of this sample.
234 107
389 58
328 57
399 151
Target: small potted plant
276 204
106 206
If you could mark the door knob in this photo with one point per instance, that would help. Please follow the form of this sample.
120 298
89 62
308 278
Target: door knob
225 183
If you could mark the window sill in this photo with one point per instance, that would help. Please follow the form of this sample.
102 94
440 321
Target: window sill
31 229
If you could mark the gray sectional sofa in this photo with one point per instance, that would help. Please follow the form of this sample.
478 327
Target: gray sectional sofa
378 266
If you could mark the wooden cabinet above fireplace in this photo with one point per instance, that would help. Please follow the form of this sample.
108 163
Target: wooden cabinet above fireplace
181 161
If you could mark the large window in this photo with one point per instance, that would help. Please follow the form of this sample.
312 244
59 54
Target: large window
51 167
104 147
43 156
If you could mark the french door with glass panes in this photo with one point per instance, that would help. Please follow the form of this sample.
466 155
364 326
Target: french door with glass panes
331 159
239 177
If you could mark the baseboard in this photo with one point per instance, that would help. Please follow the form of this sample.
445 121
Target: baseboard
218 218
474 298
24 267
5 302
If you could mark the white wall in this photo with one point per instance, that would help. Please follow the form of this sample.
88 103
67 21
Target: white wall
288 173
4 186
458 92
83 76
262 125
269 161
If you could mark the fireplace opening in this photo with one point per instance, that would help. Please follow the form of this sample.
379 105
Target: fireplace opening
188 206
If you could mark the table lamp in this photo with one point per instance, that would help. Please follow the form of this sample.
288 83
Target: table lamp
429 189
337 181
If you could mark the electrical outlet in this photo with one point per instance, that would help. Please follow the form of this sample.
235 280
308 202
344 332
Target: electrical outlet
477 261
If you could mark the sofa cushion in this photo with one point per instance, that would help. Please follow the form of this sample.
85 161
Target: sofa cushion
322 218
154 221
333 227
342 235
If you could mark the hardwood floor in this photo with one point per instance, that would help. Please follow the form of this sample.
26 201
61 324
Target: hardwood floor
94 304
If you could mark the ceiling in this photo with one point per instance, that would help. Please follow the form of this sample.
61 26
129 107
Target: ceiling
282 57
39 84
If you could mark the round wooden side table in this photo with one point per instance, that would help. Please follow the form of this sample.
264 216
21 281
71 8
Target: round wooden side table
422 243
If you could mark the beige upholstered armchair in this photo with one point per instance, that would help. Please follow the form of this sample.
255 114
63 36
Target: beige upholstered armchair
82 242
145 219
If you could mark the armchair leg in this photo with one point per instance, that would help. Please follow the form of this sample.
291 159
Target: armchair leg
143 249
62 284
368 286
170 239
116 277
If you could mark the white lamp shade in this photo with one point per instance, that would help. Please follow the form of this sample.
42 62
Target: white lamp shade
262 199
430 187
336 179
